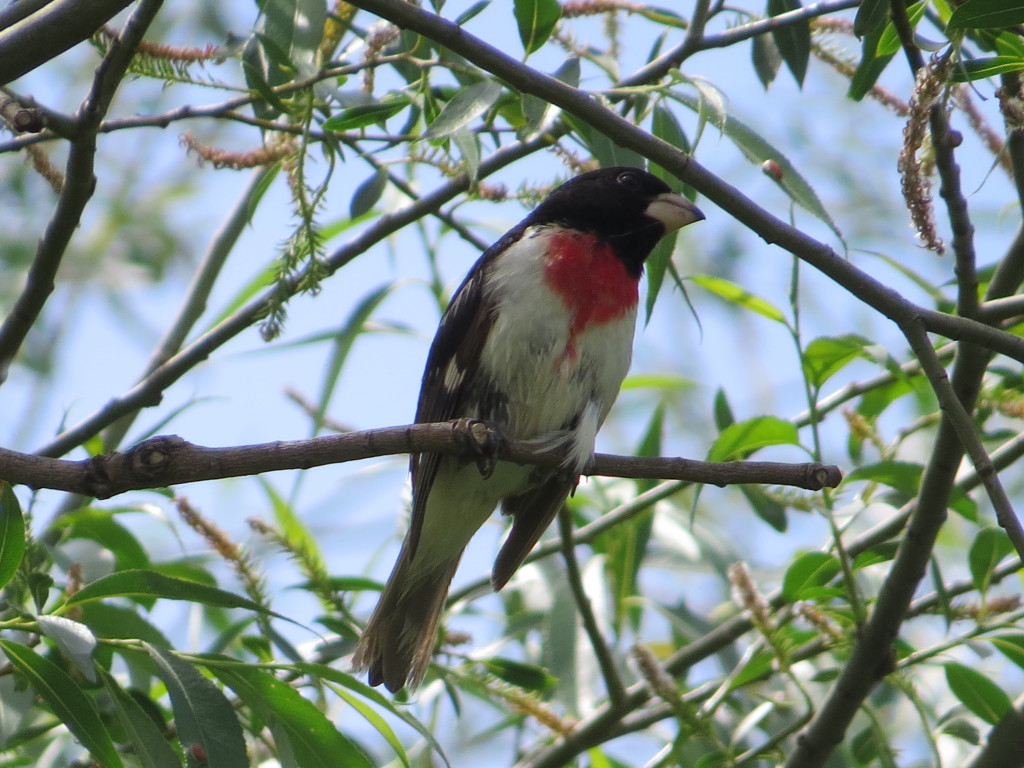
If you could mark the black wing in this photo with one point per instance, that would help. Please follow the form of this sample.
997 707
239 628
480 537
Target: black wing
453 360
451 378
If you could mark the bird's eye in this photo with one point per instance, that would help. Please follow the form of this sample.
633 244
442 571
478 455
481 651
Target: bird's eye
630 181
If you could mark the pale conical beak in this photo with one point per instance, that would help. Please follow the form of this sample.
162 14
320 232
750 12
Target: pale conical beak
674 211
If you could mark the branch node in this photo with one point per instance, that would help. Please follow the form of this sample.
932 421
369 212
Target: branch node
824 476
150 459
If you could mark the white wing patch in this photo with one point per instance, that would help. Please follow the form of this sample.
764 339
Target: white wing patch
453 376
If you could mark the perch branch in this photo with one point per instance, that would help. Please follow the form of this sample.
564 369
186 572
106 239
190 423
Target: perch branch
169 460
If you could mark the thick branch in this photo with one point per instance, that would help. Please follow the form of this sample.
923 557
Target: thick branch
47 30
170 460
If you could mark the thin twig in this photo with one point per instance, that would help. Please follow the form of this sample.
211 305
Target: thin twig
673 58
612 680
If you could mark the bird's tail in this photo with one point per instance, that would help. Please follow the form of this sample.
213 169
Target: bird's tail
398 641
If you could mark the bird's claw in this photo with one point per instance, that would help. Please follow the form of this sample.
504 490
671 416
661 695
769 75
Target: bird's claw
481 437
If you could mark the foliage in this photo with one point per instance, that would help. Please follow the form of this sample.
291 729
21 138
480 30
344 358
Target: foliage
758 626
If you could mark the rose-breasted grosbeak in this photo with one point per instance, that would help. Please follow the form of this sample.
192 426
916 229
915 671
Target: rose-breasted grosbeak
537 341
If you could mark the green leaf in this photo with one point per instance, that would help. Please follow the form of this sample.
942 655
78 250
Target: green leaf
529 677
989 547
904 476
976 14
766 58
464 107
722 410
296 28
870 16
1009 44
765 507
889 43
75 640
382 702
809 571
963 729
760 665
150 584
945 604
976 692
880 553
67 700
101 526
825 356
625 547
470 12
739 440
147 740
979 69
203 716
877 50
741 297
302 734
657 264
793 40
261 75
666 127
607 152
1011 646
12 533
468 144
368 193
866 746
536 20
363 115
537 111
116 621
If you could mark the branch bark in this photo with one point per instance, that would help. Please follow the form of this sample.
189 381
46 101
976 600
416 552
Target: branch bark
169 460
40 31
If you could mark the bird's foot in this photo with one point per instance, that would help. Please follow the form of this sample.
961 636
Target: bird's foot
482 438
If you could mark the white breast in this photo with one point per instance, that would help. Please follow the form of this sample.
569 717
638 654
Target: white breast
528 353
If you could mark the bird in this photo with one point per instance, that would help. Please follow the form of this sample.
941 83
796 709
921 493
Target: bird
536 342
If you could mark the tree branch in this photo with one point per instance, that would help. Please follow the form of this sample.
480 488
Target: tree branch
669 60
872 656
79 184
605 660
40 31
169 460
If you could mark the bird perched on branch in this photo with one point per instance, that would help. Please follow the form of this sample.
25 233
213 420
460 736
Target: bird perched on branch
536 341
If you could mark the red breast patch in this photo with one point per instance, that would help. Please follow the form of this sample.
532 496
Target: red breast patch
590 279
